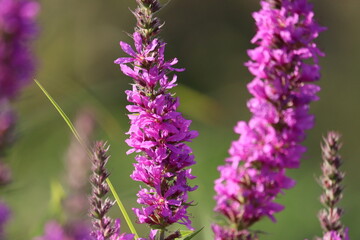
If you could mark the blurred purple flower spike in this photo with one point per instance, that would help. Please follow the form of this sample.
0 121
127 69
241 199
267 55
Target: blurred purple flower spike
17 29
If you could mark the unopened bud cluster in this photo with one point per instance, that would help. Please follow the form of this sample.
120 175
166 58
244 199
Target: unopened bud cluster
147 24
330 217
104 227
100 206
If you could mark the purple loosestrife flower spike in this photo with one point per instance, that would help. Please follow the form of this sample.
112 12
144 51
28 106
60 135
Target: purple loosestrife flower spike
104 227
284 65
17 29
330 181
158 131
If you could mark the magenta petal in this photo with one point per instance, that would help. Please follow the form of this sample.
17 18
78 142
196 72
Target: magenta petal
123 60
128 71
138 41
127 49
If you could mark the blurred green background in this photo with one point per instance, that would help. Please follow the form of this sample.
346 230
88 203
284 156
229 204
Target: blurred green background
76 48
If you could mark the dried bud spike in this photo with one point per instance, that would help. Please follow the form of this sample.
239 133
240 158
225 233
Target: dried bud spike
104 228
103 225
147 25
153 5
331 179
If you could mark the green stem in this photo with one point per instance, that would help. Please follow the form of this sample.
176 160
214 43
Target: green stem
122 208
162 234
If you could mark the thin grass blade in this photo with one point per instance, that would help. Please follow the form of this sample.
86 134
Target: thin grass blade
122 208
77 136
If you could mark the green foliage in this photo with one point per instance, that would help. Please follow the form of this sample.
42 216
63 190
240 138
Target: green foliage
187 235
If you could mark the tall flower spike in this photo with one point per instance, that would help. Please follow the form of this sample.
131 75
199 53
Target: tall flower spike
158 131
284 64
330 181
104 227
17 28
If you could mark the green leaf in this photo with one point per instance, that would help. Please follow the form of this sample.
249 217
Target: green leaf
187 235
77 136
63 115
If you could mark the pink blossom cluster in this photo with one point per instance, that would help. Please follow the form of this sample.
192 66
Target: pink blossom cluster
284 64
158 133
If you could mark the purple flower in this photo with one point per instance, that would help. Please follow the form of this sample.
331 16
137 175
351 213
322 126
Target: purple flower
53 231
158 132
4 217
284 64
75 231
223 233
335 235
17 28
